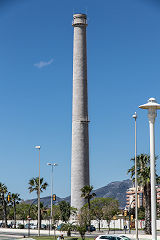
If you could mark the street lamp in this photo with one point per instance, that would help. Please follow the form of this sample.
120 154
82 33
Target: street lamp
152 107
136 200
52 165
38 147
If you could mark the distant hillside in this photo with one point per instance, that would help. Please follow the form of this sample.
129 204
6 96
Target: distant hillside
115 190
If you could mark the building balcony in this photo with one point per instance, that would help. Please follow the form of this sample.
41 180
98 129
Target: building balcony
130 192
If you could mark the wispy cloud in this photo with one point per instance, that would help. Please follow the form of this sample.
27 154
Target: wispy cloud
42 64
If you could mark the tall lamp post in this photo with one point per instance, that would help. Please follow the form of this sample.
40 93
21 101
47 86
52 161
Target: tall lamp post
152 107
136 200
39 147
52 165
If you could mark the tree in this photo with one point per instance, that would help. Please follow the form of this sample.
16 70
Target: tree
96 206
65 211
68 227
15 199
1 210
86 194
3 191
56 214
143 179
43 212
110 209
22 211
82 230
83 220
141 213
34 186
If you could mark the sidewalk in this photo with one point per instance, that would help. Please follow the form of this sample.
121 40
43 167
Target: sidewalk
142 236
19 233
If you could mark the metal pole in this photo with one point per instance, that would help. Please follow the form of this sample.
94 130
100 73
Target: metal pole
129 220
51 215
152 115
136 185
152 107
29 228
51 197
49 226
39 198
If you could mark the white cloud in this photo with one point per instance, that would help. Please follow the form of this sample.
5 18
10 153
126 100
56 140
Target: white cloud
42 64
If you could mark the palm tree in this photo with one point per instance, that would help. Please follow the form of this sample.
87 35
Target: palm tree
34 186
15 199
143 179
65 211
86 194
3 191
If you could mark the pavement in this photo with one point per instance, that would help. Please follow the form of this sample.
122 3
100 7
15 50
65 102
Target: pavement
142 237
9 233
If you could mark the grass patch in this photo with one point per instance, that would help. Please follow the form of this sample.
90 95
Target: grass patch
43 237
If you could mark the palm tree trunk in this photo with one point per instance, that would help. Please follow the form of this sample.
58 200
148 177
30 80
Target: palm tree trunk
4 210
39 223
108 222
99 225
14 205
89 207
147 195
40 218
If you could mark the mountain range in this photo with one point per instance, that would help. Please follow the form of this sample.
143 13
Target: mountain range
115 190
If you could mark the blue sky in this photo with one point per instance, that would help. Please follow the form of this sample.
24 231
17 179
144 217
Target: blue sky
36 42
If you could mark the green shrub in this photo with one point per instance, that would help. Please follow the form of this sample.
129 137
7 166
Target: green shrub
20 226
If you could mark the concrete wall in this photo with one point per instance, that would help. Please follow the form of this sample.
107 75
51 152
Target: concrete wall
119 223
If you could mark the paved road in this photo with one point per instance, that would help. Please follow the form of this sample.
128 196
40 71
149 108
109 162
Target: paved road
6 234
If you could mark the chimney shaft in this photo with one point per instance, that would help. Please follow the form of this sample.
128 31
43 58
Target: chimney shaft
80 139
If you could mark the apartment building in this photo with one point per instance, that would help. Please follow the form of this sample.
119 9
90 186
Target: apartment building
130 197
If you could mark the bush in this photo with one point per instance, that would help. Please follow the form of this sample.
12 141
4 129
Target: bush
82 230
72 238
20 226
68 227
